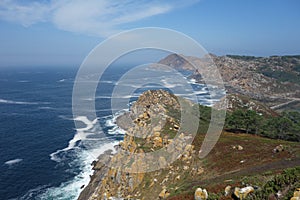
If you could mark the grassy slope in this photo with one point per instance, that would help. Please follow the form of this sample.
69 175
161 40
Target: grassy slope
222 166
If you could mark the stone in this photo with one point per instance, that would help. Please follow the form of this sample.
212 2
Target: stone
227 190
297 194
240 148
295 198
181 136
162 162
201 194
156 128
151 185
164 194
157 142
146 115
278 148
156 134
176 127
242 193
200 170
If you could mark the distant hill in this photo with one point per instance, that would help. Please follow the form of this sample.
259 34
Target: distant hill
272 80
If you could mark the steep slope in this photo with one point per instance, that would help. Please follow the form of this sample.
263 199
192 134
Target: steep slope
155 122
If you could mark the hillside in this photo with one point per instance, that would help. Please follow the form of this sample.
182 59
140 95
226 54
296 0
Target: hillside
272 80
236 159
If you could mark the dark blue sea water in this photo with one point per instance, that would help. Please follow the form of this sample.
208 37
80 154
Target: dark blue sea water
37 157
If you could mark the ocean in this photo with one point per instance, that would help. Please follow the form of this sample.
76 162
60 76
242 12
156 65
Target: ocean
41 153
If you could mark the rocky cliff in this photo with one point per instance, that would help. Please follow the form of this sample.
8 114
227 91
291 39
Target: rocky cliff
154 124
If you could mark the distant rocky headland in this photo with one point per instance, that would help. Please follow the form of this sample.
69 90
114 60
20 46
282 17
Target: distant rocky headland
273 80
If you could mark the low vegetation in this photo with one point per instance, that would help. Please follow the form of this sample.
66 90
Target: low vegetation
285 126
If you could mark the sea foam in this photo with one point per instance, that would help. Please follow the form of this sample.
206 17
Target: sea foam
14 161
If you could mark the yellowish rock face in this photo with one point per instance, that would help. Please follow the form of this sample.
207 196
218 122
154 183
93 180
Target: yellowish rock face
201 194
297 193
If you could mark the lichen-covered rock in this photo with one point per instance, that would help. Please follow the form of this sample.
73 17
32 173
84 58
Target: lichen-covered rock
162 162
227 190
122 173
242 193
157 142
296 195
278 149
164 194
201 194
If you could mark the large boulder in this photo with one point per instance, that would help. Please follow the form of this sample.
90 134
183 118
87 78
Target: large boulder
201 194
278 148
296 195
227 190
242 193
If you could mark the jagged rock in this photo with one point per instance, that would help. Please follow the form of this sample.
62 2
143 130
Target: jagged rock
124 180
164 194
201 194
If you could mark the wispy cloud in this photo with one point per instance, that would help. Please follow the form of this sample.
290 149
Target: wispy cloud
92 17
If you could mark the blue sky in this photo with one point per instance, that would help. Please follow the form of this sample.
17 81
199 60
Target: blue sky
63 32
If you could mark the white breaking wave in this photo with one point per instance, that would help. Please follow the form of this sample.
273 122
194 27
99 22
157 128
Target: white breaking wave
80 135
31 192
72 189
23 81
89 124
169 83
17 102
61 80
14 161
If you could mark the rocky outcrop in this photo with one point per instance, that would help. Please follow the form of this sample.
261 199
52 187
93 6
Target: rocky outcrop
150 125
241 102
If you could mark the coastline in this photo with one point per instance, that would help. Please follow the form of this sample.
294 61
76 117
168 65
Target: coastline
99 167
